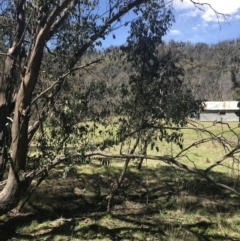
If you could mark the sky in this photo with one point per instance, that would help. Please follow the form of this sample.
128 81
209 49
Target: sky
195 25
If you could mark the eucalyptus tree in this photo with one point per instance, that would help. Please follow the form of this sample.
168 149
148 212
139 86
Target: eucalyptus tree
66 30
154 97
157 104
47 41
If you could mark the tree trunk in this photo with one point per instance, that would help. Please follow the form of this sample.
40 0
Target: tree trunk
9 79
144 152
118 185
25 81
11 194
7 84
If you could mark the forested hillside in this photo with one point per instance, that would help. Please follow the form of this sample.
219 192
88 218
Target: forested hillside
211 72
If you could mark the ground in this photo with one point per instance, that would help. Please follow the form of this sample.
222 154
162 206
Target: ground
158 202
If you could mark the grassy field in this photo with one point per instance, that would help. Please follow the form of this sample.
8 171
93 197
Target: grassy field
159 202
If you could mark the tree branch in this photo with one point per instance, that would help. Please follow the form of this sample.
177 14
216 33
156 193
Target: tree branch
63 76
58 160
230 154
198 4
61 8
58 23
166 159
101 31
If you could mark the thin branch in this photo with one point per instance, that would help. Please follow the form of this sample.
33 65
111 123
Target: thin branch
196 143
62 77
49 50
102 30
198 4
230 154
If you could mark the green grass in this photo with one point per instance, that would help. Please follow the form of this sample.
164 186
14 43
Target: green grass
200 156
159 202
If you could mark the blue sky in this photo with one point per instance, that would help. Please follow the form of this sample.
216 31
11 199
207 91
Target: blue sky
194 25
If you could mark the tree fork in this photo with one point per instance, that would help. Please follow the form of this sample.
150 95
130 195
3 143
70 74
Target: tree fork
11 194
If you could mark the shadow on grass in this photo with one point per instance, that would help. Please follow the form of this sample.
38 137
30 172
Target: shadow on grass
153 204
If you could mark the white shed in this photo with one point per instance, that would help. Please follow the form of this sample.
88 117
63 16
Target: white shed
220 111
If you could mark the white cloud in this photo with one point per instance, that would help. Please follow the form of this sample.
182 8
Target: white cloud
190 13
186 4
201 26
175 32
229 7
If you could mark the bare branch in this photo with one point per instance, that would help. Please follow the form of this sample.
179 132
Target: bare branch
230 154
167 159
218 14
49 50
196 143
223 186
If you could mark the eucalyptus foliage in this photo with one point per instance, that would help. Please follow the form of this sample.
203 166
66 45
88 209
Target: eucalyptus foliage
155 98
51 47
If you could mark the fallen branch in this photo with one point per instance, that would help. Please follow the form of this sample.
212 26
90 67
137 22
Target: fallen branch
167 159
230 154
59 160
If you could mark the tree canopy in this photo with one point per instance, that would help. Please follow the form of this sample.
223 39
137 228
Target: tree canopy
50 47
